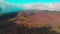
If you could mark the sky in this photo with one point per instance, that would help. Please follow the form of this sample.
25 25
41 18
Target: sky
30 4
32 1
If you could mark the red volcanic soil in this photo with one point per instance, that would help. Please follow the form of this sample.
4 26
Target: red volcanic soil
38 19
44 18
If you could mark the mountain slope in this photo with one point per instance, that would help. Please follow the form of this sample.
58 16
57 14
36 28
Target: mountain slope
38 19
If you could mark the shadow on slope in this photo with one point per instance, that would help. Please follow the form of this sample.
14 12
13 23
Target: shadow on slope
7 16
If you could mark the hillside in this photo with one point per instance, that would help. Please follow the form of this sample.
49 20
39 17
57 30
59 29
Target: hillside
25 22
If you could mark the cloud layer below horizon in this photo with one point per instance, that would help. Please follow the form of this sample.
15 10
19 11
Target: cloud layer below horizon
39 6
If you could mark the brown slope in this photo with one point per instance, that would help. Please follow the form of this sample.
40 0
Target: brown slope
39 18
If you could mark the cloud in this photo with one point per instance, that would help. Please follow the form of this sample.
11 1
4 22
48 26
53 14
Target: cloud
7 7
39 6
